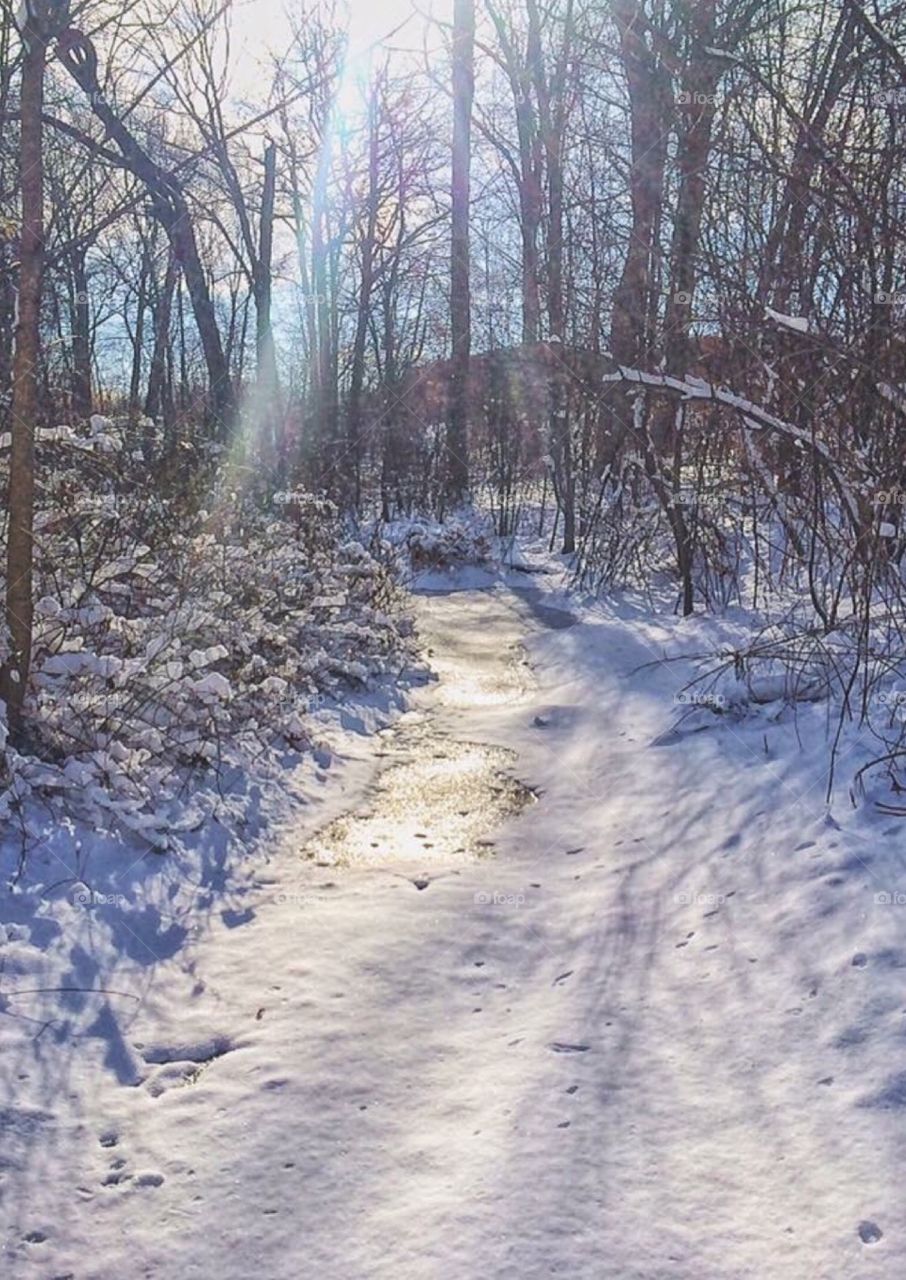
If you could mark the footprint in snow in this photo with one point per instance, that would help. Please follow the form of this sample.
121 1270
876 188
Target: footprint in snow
559 1047
869 1232
562 978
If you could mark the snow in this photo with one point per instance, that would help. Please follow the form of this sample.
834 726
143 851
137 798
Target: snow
799 324
656 1029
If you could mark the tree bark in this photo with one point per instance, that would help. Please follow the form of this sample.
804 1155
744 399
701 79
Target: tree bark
155 401
264 334
81 337
20 541
460 298
630 336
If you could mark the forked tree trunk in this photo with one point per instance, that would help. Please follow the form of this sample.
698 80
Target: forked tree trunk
78 55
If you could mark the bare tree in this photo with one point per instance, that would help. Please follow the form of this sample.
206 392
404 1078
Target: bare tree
460 300
43 19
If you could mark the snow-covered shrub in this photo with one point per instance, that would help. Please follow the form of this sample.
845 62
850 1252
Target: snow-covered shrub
171 635
432 544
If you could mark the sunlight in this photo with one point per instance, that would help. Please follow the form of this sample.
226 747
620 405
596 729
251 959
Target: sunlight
261 30
260 33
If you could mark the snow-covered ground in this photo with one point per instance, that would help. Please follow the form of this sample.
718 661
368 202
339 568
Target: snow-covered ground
657 1028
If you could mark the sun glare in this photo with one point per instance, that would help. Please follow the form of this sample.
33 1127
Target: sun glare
261 31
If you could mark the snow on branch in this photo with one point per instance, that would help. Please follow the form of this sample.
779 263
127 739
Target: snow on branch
691 388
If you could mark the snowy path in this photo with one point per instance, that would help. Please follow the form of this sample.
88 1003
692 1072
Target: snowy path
627 1045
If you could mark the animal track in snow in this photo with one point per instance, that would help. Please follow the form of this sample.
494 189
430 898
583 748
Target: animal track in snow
182 1064
199 1051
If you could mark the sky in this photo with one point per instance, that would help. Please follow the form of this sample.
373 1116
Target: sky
261 27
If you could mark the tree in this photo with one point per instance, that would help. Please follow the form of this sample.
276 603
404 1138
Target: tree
460 300
43 20
77 53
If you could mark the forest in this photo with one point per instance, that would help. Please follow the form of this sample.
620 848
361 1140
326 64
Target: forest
418 380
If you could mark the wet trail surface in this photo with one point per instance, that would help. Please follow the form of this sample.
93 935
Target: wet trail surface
439 794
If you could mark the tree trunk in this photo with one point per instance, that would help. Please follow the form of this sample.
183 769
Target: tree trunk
155 402
357 372
81 338
460 300
266 356
20 542
630 337
138 343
